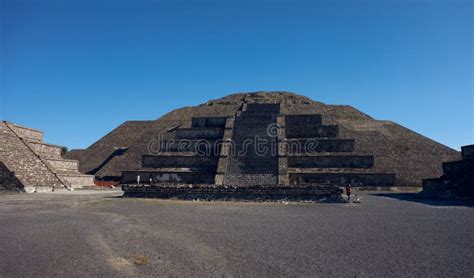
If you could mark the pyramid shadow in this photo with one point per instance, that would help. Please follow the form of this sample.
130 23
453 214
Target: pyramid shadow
417 198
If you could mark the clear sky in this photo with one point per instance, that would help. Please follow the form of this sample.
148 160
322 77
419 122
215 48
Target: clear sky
78 69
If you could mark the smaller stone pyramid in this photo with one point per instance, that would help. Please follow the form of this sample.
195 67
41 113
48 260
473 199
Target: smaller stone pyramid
29 164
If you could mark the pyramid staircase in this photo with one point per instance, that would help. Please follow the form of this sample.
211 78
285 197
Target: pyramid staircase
29 164
254 149
256 152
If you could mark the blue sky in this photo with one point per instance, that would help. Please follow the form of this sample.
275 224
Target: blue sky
78 69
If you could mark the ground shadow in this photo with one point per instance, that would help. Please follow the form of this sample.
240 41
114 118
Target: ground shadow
415 197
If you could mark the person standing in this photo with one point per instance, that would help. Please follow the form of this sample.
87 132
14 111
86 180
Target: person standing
348 191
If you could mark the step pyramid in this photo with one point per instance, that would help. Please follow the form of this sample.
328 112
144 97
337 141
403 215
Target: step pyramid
29 164
345 146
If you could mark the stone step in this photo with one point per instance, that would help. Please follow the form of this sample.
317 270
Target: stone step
303 120
211 147
208 122
292 170
251 120
46 150
183 176
26 132
459 169
352 161
66 164
256 117
199 133
248 157
355 179
77 180
308 146
179 161
433 187
317 131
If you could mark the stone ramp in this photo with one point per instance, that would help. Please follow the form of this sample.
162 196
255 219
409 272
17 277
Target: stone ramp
38 166
253 160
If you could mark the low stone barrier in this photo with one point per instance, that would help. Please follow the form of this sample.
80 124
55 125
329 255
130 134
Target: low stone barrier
315 193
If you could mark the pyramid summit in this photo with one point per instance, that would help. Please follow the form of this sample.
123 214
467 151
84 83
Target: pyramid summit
347 146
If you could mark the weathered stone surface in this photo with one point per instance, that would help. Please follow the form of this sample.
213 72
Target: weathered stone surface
355 179
248 165
8 181
35 165
467 152
317 193
366 161
320 131
303 120
457 180
395 149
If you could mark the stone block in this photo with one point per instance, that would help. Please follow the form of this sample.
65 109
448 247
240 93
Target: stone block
208 122
355 179
467 152
46 150
308 146
459 169
353 161
203 162
199 133
317 131
303 120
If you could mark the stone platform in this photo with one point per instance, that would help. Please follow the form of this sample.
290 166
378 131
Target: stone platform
315 193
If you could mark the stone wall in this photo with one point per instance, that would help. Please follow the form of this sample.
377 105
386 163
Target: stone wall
244 180
321 131
183 176
303 120
150 161
199 133
209 122
355 179
302 146
331 161
315 193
